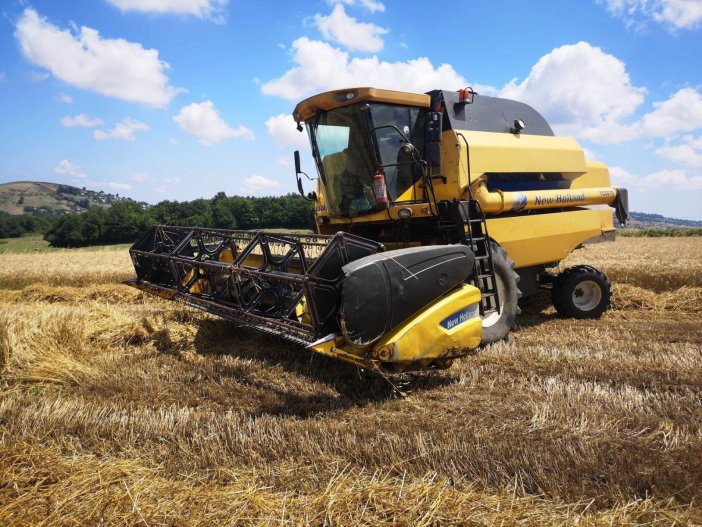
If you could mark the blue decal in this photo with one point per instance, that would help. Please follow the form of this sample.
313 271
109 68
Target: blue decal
460 317
520 201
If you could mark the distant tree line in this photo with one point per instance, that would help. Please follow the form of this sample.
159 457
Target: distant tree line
16 226
125 222
660 232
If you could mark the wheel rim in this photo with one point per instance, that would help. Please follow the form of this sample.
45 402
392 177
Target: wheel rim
493 317
587 295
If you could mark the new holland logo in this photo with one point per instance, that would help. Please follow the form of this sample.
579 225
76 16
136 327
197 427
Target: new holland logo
520 201
460 317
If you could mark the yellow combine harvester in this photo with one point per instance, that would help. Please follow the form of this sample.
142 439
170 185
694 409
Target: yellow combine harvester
435 213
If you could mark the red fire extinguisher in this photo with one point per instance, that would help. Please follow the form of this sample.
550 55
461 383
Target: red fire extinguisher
379 188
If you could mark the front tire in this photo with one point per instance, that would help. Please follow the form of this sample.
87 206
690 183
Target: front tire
496 326
581 292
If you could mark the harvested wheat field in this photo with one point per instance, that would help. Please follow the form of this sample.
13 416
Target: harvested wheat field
119 408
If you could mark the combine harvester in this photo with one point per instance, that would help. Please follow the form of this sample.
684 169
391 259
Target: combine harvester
435 213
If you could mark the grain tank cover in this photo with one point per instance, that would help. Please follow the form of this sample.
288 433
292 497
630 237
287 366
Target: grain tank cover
492 114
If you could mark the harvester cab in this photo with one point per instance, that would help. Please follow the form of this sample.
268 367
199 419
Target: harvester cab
435 213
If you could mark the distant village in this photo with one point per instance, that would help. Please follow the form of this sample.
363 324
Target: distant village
76 200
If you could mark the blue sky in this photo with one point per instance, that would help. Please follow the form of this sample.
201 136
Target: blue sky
178 99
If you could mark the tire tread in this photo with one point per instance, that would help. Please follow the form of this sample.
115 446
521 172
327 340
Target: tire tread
565 282
507 322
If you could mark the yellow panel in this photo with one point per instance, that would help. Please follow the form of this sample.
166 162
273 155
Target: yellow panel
492 152
453 168
606 218
424 336
597 175
543 238
500 152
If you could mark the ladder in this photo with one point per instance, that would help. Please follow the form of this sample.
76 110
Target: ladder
469 221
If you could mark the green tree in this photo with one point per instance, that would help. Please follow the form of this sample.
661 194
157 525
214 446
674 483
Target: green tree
74 231
246 216
223 212
16 226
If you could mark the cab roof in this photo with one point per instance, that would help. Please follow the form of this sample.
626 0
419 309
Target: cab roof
345 97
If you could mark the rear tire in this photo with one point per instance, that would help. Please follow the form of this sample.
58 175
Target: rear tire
497 326
581 292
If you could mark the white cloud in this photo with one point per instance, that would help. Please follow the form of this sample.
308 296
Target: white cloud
285 161
283 129
584 92
257 184
81 120
65 99
681 113
66 168
123 131
689 152
118 186
665 179
209 9
140 177
320 67
681 14
372 6
204 122
111 67
581 90
346 30
675 14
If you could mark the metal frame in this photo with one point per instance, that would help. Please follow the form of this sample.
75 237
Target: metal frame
263 284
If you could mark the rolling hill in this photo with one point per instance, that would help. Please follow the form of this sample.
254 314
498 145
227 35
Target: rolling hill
50 199
643 220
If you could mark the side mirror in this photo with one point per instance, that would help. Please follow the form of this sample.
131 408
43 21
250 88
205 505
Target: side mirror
312 196
297 162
